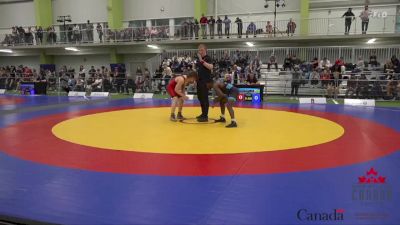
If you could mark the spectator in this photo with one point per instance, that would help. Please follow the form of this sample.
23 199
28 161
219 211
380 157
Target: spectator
296 81
251 29
314 78
203 24
324 64
89 31
77 33
288 63
227 23
272 61
396 64
365 19
388 67
99 30
39 33
256 66
211 26
219 27
239 23
351 86
360 64
251 79
291 27
373 60
196 29
349 17
269 29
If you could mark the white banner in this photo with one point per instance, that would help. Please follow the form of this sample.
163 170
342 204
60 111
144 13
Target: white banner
190 97
143 95
99 94
312 100
2 91
76 94
360 102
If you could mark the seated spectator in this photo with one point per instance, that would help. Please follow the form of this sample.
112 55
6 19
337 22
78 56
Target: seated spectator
291 27
388 67
272 61
392 86
373 61
360 64
251 29
325 78
251 79
288 63
314 63
97 84
351 86
325 64
396 64
295 61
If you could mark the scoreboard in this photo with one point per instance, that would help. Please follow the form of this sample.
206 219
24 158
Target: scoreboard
253 93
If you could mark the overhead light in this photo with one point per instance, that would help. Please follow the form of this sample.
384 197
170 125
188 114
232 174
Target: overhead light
72 49
153 46
6 50
249 44
371 41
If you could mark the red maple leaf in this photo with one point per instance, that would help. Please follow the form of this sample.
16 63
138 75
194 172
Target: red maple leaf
362 180
382 180
340 210
372 172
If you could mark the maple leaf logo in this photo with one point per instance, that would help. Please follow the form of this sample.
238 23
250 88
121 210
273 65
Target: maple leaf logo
372 178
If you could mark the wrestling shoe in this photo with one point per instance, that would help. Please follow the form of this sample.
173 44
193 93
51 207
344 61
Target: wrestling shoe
172 118
180 116
221 120
231 125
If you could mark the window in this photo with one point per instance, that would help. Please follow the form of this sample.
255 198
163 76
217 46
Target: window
137 23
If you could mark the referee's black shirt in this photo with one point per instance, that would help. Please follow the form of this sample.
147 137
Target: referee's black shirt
203 72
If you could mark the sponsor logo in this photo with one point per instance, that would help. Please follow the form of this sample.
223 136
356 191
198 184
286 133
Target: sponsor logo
333 215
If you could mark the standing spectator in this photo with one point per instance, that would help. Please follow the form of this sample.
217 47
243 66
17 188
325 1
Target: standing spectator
204 69
349 17
196 29
365 19
251 29
191 29
269 29
211 26
291 27
89 31
203 24
239 23
219 27
296 80
100 32
77 33
227 23
39 33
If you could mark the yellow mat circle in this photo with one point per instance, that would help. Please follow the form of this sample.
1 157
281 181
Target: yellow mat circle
149 130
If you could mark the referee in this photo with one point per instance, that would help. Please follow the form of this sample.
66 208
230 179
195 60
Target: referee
204 68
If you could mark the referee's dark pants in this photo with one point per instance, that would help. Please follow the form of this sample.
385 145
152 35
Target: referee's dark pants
202 95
